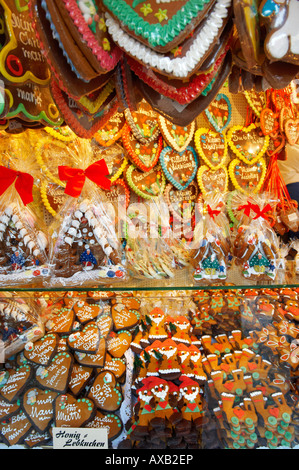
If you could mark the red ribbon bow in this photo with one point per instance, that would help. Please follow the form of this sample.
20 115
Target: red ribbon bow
212 212
247 208
23 183
97 172
261 213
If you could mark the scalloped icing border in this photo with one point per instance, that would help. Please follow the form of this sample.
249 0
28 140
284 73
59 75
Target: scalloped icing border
232 165
137 191
137 162
169 177
93 106
209 114
247 130
134 129
204 130
204 168
250 102
41 163
168 137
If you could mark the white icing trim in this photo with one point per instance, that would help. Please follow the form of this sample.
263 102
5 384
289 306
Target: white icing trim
178 67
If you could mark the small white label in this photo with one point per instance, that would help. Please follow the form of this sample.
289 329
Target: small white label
292 217
80 438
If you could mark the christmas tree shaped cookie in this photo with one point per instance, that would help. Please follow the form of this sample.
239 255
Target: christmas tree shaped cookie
86 248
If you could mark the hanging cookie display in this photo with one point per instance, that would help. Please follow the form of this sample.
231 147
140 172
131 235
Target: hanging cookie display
175 136
111 132
179 167
148 185
143 122
247 178
182 202
211 147
219 112
257 101
212 180
248 143
115 158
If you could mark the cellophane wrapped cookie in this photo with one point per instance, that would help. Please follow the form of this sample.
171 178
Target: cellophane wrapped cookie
85 249
211 241
20 324
23 235
151 252
256 245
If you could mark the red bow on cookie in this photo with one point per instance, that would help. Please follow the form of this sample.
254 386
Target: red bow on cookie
97 172
23 183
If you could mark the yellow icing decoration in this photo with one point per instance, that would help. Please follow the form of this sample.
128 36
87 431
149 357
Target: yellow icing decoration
204 168
94 106
198 146
237 148
231 169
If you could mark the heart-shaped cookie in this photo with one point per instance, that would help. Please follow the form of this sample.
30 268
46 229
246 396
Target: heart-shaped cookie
179 167
104 392
144 155
284 115
149 185
248 143
118 195
105 324
176 137
219 112
8 409
143 122
269 121
123 317
257 101
111 131
38 406
56 375
42 351
79 378
181 203
93 360
114 157
15 383
70 412
86 312
117 365
212 147
291 129
247 178
212 180
86 340
109 421
61 322
118 343
15 429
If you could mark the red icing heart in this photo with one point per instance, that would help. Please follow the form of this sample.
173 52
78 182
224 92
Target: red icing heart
229 385
239 412
225 367
192 406
274 412
252 365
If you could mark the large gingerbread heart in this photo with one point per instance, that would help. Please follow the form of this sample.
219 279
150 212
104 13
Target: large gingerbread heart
86 340
41 352
176 137
181 202
144 156
108 134
109 421
123 317
61 322
56 375
247 178
292 130
248 143
15 383
143 122
219 112
269 121
93 360
80 376
179 167
104 392
118 343
86 312
72 412
212 180
212 147
38 406
149 185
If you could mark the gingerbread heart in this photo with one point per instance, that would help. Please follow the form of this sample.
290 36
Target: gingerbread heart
114 157
105 324
212 147
87 340
149 185
119 194
8 409
179 167
118 343
109 421
38 406
143 122
14 430
93 360
247 178
72 412
56 375
269 121
257 101
116 365
111 131
61 322
79 378
123 317
176 137
248 143
219 112
212 180
15 383
182 202
144 155
284 115
86 312
292 131
42 351
104 392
